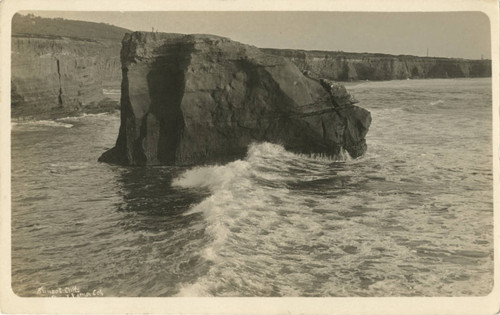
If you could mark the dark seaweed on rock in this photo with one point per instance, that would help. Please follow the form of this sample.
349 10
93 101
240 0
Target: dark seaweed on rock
191 99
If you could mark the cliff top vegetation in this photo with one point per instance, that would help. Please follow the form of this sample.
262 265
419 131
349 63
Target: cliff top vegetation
31 25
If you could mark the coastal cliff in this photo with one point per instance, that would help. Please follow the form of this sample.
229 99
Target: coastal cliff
191 99
343 66
56 71
64 67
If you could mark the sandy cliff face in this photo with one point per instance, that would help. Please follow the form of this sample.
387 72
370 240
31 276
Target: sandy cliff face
60 66
358 66
190 99
65 73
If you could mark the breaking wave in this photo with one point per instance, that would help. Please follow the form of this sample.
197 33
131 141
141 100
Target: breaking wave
249 199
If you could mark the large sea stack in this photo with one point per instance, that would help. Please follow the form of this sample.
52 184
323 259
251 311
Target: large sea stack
191 99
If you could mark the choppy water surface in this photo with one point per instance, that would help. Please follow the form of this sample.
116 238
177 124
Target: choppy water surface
411 218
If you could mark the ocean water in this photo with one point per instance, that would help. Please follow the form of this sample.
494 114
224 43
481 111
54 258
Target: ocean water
413 217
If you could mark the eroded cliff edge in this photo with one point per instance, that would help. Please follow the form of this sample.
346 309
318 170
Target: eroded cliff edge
191 99
345 66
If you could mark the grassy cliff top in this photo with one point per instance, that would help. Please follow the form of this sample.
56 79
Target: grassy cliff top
31 25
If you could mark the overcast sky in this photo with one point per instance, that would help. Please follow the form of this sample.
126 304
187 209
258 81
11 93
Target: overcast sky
459 34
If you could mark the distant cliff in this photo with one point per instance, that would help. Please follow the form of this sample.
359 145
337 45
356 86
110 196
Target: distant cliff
190 99
62 66
342 66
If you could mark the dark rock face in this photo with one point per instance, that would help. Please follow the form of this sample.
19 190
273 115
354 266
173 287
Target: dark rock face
191 99
357 120
345 66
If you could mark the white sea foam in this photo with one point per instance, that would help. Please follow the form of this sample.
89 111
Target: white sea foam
234 192
241 205
64 122
68 166
213 177
86 116
436 102
224 182
198 289
41 123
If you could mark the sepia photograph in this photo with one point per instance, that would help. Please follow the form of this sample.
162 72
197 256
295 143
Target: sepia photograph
250 153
